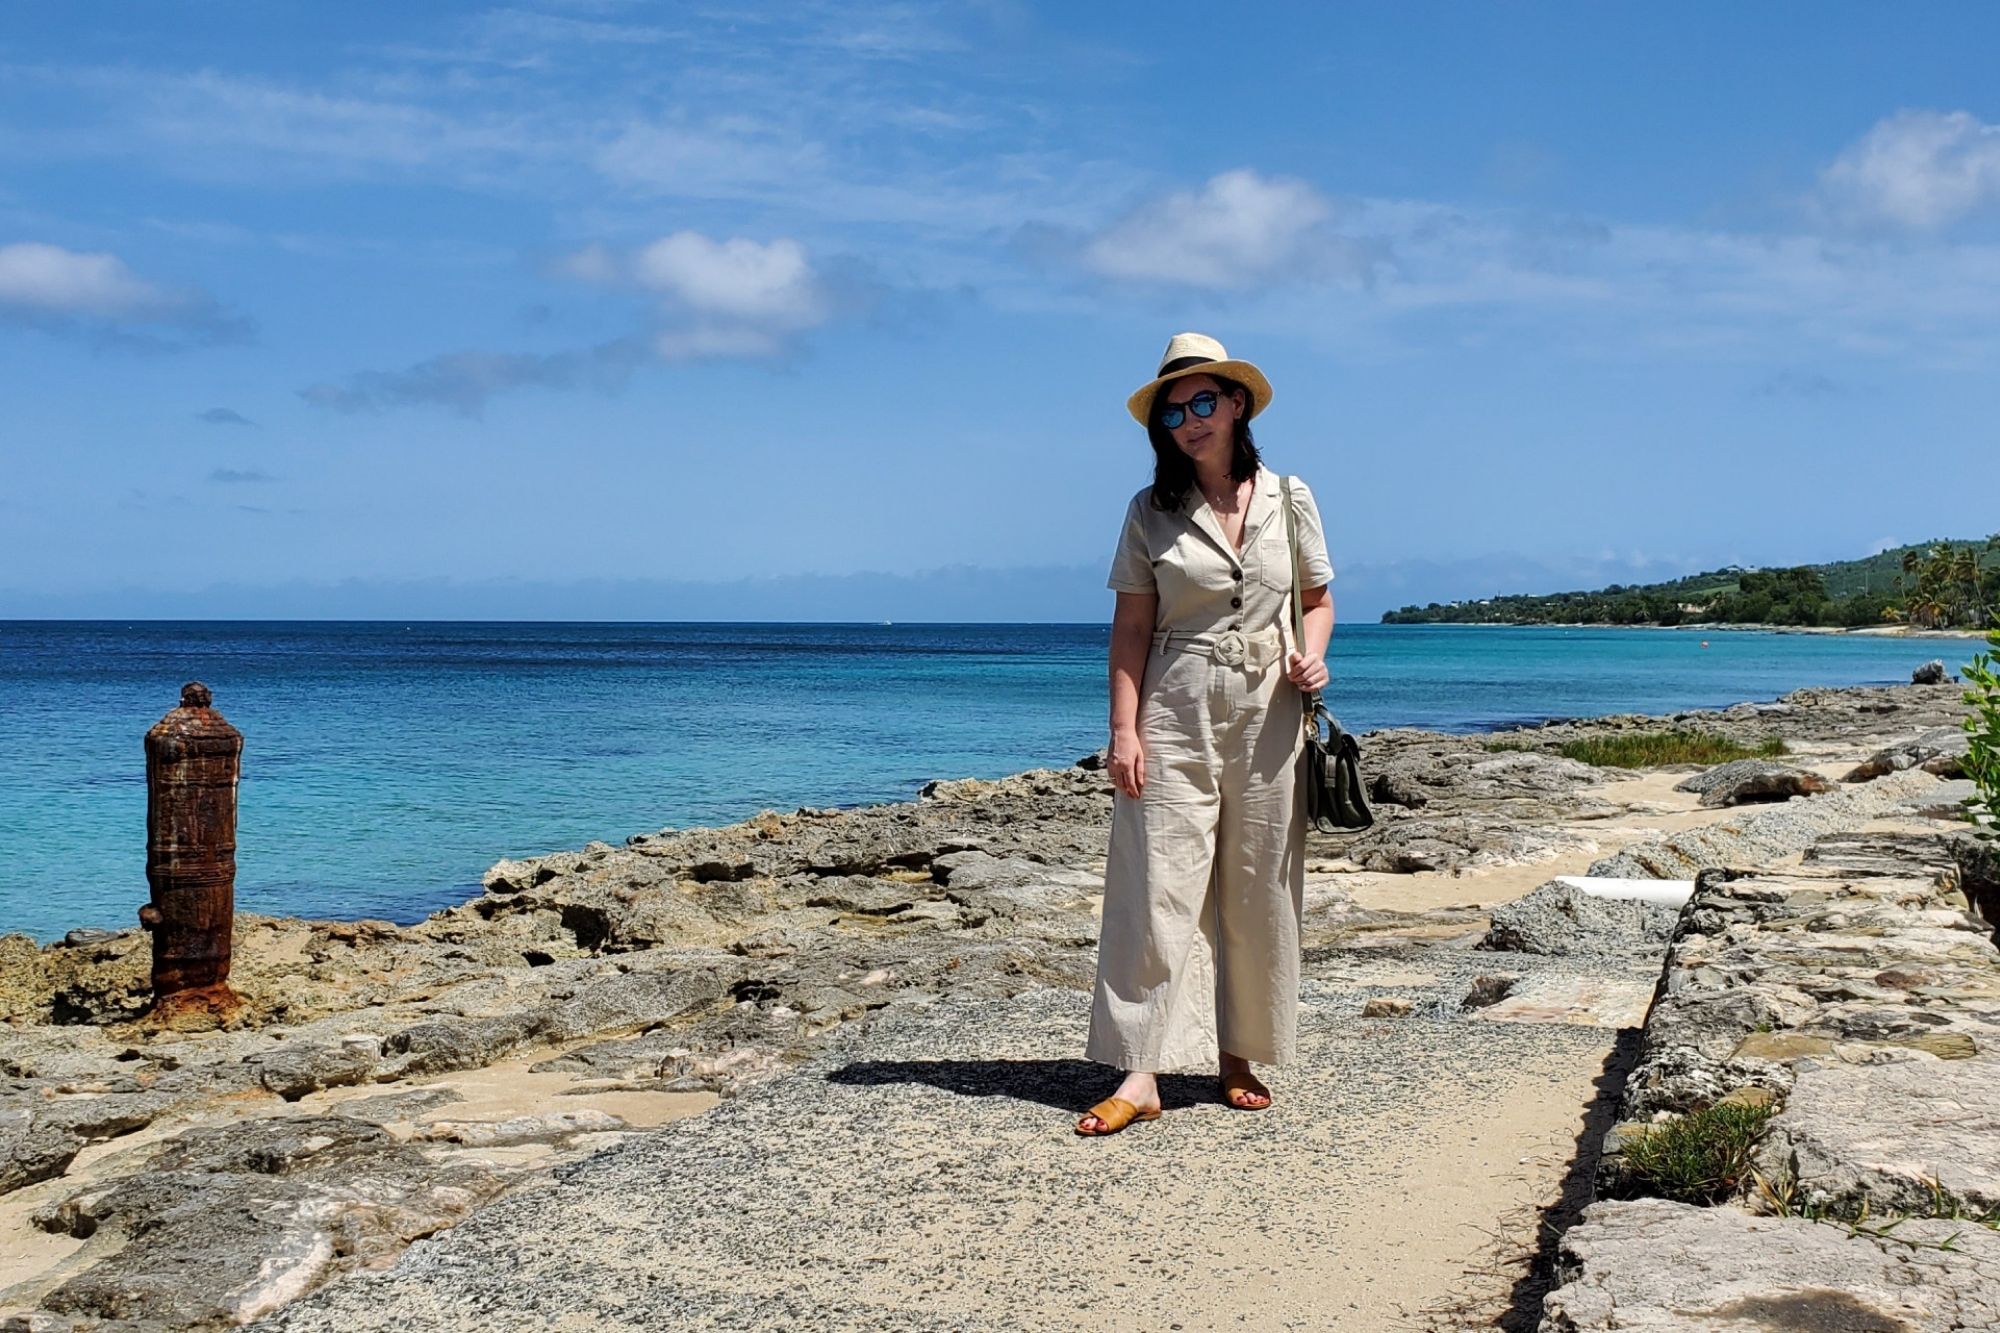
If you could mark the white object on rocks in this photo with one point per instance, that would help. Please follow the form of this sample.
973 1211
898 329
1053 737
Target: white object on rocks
1663 892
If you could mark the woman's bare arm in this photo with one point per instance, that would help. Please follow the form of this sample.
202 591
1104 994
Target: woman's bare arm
1131 645
1307 669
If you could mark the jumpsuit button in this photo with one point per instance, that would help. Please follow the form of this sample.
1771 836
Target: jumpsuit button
1239 575
1236 601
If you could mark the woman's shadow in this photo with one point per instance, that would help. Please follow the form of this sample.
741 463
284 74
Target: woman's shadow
1064 1084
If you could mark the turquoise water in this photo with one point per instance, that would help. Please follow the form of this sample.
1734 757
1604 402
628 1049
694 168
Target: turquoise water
386 765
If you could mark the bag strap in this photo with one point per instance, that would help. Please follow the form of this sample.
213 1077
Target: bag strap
1313 708
1292 544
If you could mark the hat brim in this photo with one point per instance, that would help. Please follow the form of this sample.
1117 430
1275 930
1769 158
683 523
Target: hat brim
1140 404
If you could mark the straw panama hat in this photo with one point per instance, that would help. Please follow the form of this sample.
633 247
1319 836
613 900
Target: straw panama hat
1199 354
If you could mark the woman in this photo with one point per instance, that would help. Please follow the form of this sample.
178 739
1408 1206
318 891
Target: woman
1199 950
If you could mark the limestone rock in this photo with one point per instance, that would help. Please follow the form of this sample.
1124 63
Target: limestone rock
1756 838
297 1068
1930 673
1453 842
1488 990
1650 1266
31 1150
233 1222
1386 1006
1900 1135
1559 919
1939 750
514 876
520 1129
1743 781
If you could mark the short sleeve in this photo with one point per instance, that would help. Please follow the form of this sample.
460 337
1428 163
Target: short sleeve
1314 564
1132 564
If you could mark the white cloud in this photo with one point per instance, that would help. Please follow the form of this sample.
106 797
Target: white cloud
1238 230
1917 169
49 280
770 285
1379 277
98 296
735 298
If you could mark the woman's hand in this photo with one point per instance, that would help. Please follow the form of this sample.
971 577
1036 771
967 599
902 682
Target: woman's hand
1127 762
1308 673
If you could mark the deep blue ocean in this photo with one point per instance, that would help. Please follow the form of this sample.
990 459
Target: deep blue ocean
387 765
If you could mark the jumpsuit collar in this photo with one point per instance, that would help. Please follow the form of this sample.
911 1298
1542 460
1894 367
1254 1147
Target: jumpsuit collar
1264 491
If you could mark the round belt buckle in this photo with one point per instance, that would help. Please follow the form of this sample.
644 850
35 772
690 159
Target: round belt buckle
1230 649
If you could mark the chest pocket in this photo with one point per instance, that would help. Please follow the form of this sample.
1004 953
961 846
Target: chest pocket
1274 555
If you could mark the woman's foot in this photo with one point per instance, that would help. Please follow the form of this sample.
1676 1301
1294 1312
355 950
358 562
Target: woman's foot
1141 1091
1242 1089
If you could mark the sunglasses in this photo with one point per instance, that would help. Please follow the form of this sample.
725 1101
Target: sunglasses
1202 405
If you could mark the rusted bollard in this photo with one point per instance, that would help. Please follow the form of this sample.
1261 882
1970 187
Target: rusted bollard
192 761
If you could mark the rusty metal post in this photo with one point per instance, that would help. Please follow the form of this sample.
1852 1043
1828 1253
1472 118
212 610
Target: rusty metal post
193 758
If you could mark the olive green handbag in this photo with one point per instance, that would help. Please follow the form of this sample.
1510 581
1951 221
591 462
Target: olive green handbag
1336 799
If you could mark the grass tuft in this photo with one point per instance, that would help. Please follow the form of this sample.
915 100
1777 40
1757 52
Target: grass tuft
1703 1157
1651 749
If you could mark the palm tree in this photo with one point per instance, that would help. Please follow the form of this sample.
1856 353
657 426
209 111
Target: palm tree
1907 581
1964 582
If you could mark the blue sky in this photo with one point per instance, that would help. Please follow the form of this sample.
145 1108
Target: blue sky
622 309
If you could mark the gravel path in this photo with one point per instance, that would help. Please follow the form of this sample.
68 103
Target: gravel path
926 1178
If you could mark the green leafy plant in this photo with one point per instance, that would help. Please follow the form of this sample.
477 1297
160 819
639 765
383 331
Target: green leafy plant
1702 1157
1982 763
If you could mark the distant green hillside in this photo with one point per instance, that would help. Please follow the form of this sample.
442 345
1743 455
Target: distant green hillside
1945 582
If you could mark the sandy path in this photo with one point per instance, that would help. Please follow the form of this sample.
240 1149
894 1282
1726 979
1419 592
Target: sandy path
927 1178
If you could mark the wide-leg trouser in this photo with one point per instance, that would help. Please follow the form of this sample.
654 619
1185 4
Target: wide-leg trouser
1204 881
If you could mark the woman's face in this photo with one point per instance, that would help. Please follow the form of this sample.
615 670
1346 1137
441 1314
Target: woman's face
1210 439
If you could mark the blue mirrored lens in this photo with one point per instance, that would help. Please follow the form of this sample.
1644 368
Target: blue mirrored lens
1202 404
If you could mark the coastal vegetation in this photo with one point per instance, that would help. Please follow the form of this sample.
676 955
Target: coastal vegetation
1982 761
1703 1157
1647 749
1933 585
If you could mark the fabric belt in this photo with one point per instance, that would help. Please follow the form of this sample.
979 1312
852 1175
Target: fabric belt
1256 649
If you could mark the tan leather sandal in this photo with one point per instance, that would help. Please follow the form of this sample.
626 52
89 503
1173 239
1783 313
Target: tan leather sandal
1113 1114
1244 1082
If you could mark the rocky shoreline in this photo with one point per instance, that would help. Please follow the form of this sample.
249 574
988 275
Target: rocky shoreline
479 1072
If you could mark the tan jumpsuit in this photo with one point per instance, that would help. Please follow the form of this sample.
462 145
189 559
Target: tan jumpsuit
1206 872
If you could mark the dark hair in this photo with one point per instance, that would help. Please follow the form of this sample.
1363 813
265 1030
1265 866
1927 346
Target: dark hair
1173 471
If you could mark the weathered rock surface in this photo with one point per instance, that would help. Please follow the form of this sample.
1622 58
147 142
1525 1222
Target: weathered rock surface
1459 842
1856 996
1562 919
233 1222
1763 836
1940 750
1849 966
1650 1266
31 1149
1748 781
